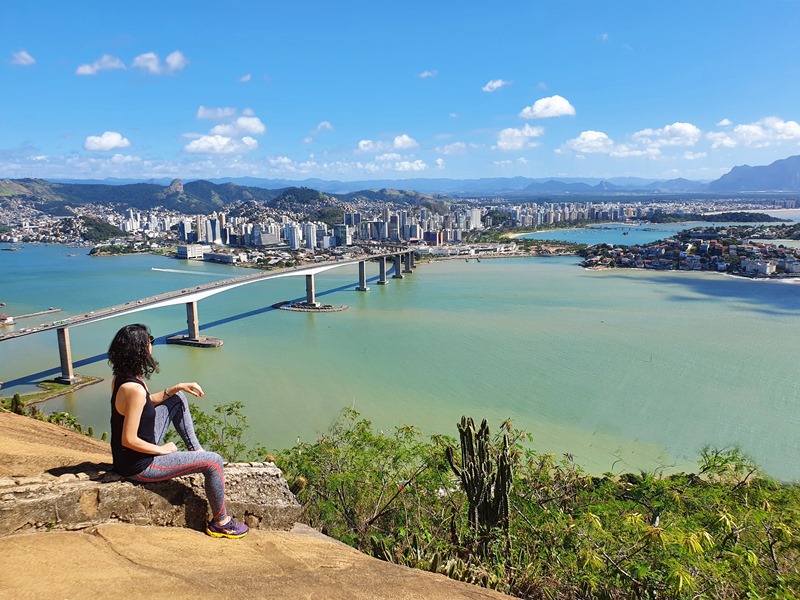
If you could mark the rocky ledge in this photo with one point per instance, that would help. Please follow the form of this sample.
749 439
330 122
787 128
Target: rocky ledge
89 494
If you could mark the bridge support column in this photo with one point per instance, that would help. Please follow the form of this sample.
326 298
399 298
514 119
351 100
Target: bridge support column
382 278
411 260
193 337
65 354
310 296
192 321
362 276
408 262
398 263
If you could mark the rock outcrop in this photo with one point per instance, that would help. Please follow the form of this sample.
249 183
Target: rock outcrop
88 495
53 478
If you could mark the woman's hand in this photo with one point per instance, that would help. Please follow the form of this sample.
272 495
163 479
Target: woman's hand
191 387
168 448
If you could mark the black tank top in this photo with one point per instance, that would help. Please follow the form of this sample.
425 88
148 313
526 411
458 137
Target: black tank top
129 462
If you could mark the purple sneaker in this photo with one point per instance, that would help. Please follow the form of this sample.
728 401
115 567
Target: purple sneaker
232 529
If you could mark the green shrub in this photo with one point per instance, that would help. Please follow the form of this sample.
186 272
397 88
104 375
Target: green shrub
725 532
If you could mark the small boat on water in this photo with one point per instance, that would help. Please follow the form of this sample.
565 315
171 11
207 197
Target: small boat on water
11 249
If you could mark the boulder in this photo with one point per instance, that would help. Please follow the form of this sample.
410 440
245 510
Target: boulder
86 495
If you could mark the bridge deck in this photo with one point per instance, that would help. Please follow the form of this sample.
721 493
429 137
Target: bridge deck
192 294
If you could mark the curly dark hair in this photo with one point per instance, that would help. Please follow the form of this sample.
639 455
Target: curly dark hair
129 355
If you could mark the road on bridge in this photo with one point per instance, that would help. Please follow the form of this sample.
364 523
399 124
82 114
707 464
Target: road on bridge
189 294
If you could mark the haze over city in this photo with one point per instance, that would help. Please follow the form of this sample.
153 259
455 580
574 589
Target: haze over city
359 90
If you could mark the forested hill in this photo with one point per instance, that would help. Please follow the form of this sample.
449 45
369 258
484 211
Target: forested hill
195 197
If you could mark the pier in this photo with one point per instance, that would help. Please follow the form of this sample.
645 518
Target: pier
36 314
191 296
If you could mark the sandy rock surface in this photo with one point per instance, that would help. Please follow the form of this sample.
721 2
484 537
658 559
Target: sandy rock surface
133 562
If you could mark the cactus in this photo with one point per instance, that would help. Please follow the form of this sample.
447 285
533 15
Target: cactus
104 437
17 405
381 549
90 431
298 484
436 560
486 479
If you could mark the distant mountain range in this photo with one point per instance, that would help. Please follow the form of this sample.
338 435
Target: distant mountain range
464 188
309 195
780 176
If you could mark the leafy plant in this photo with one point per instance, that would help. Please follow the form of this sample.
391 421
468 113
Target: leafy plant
724 532
223 432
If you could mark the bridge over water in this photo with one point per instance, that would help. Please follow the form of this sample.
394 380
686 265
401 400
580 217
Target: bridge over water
191 296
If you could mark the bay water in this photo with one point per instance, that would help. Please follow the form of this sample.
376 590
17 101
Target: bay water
626 370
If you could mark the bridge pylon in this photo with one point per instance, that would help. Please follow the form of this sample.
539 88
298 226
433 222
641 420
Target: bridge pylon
65 355
193 337
362 277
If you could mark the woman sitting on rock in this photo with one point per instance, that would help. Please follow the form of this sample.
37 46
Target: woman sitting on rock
139 422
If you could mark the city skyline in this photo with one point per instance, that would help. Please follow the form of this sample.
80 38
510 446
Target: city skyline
359 91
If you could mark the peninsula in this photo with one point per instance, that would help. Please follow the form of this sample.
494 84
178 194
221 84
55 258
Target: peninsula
747 250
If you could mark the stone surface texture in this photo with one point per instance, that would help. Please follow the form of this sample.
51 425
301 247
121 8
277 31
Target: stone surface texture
55 488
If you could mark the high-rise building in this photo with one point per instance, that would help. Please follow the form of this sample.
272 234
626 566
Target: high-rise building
294 236
342 234
310 235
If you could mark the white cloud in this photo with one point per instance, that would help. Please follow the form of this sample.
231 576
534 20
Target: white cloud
225 112
504 163
770 131
241 126
453 115
388 156
724 123
125 159
590 142
110 140
720 139
518 139
427 74
284 164
370 146
440 164
22 58
104 63
320 128
694 155
597 142
405 165
454 148
626 151
544 108
767 132
245 78
603 37
176 61
677 134
220 144
495 84
404 142
151 62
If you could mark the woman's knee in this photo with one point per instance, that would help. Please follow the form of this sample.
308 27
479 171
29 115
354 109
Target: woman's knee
214 460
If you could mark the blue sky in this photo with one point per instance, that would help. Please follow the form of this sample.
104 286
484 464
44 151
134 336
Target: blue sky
373 90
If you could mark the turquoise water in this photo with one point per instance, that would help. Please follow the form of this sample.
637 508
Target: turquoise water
643 233
626 370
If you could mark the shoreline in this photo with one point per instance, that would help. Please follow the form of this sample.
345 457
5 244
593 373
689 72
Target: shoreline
27 399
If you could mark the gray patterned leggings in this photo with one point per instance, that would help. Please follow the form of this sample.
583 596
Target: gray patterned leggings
175 410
